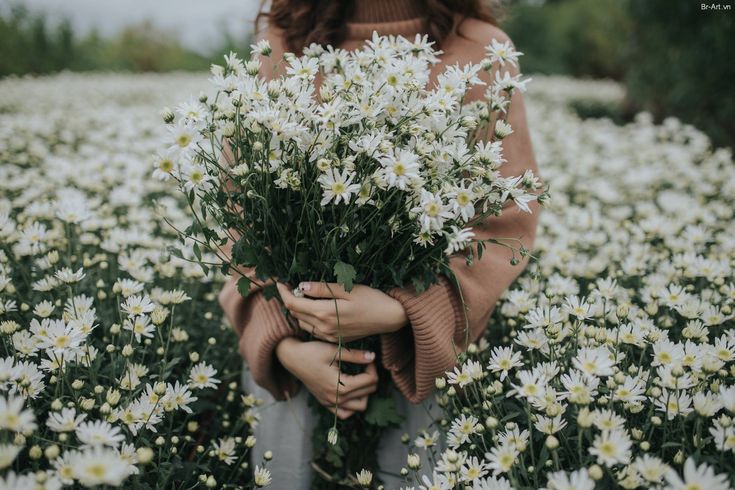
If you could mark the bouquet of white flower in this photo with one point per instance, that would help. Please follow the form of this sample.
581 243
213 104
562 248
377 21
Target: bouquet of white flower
371 175
115 367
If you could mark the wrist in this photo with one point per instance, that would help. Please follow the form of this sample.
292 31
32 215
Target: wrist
284 349
398 316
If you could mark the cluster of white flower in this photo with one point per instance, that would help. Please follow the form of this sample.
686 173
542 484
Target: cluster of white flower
372 142
114 351
611 362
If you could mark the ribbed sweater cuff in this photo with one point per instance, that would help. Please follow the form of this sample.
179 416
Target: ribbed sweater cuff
266 327
418 354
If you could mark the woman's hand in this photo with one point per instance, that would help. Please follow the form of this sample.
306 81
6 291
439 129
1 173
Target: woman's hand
364 311
315 364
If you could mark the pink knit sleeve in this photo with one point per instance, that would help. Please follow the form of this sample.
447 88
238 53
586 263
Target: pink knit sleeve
438 329
260 326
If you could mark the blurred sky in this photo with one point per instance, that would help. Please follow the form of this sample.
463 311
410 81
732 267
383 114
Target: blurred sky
198 23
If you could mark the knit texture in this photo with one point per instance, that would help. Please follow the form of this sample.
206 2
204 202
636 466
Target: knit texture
444 318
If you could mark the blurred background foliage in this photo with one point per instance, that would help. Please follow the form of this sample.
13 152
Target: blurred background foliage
674 58
31 43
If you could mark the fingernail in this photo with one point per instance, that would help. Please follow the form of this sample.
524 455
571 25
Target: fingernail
370 356
305 286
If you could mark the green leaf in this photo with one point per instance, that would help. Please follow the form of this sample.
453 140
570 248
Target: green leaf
345 274
382 412
270 291
243 286
197 252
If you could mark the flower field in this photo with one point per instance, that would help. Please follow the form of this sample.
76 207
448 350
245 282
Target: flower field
611 362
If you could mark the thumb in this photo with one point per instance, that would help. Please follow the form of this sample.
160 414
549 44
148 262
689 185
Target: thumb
357 356
326 290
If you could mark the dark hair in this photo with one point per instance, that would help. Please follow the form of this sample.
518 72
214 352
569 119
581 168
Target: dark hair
324 21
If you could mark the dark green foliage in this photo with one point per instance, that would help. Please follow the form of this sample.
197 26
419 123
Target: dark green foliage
573 37
681 64
32 44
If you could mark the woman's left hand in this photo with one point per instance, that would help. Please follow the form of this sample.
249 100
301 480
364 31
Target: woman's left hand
364 311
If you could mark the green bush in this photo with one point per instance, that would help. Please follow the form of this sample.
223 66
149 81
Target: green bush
681 64
31 44
572 37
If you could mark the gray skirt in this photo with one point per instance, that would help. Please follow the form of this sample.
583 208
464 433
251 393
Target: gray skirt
285 429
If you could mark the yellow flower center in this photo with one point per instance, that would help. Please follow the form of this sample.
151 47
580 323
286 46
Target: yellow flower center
432 209
62 341
183 140
166 165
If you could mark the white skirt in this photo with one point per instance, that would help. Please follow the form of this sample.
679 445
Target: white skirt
285 428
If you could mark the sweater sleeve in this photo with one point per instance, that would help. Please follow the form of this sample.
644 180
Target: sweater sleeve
444 318
260 326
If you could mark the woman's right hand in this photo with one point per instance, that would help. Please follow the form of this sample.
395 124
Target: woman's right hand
315 364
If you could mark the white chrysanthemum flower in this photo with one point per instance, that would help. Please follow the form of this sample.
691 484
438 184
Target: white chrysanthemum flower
8 453
202 376
137 305
262 477
99 433
224 449
184 137
695 477
65 421
43 309
99 466
575 480
611 447
13 481
595 362
401 169
337 186
432 212
140 325
68 276
459 240
13 417
502 458
501 53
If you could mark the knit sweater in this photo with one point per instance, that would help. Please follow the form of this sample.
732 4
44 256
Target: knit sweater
438 323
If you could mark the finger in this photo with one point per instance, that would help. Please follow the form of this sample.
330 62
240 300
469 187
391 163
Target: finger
314 326
362 380
356 356
356 404
317 308
359 393
341 413
325 290
317 333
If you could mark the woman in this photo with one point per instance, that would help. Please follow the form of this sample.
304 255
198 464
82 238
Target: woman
420 334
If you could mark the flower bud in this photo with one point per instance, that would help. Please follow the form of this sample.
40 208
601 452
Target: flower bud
52 452
35 452
144 455
167 115
595 472
159 388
